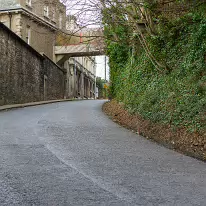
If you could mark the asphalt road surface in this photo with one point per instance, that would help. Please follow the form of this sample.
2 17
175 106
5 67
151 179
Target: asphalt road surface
71 154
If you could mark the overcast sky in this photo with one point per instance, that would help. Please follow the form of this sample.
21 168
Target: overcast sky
100 60
87 12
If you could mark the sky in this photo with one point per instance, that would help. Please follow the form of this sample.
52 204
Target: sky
87 11
100 72
89 14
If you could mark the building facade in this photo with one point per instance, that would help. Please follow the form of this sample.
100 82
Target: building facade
81 79
38 22
81 71
25 74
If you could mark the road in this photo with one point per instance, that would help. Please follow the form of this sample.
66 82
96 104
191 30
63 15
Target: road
71 154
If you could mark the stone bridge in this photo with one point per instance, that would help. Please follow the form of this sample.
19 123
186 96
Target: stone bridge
63 53
79 82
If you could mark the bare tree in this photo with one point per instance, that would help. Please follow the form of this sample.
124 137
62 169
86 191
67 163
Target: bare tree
136 13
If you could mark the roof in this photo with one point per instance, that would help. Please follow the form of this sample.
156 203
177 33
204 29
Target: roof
13 6
9 4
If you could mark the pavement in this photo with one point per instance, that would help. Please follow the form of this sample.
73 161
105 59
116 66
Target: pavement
29 104
71 154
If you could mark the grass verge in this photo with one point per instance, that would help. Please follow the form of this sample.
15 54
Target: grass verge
189 143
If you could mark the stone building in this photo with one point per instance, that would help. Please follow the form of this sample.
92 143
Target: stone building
80 81
81 71
25 74
36 22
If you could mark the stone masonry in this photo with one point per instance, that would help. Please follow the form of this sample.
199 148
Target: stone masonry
26 75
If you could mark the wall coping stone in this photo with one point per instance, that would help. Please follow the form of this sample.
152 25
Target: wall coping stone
30 104
41 55
2 26
60 68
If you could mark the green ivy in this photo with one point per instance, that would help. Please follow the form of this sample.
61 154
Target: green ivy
177 98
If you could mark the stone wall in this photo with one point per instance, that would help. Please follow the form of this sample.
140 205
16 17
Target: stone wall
80 82
42 38
26 75
56 9
54 79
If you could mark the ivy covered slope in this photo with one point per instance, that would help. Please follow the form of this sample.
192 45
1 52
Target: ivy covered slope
175 95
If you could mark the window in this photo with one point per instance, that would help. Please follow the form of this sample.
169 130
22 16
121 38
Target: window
28 34
60 21
86 66
67 25
28 2
53 14
46 11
